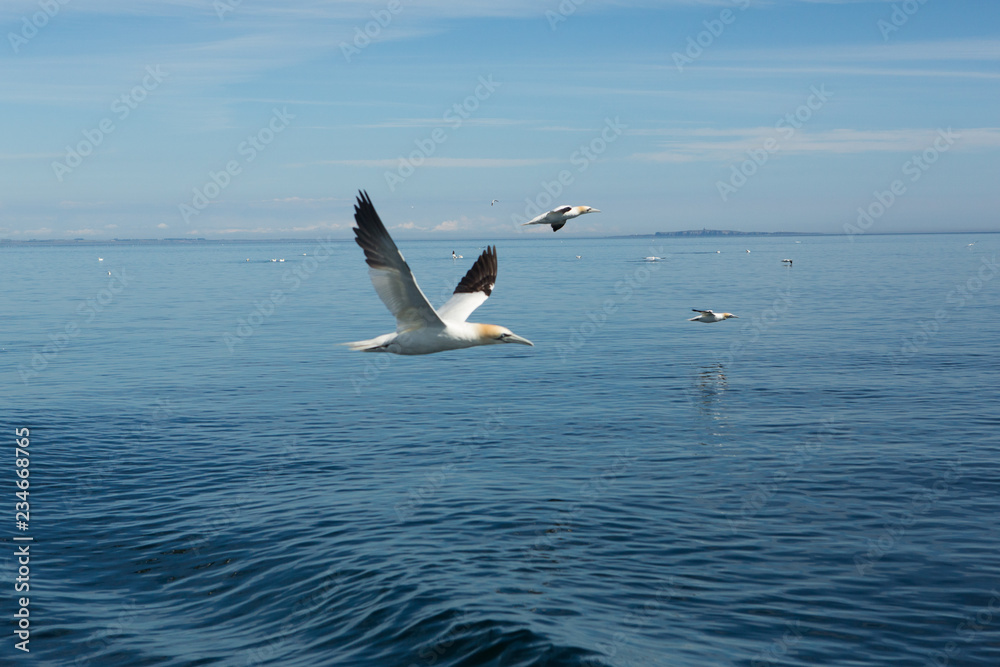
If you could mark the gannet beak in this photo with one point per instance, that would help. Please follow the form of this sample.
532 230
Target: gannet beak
514 338
595 210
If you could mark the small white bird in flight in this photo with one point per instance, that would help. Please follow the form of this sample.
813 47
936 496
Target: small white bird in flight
419 328
709 316
557 217
494 202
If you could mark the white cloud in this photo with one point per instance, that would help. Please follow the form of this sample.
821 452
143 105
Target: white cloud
442 162
709 144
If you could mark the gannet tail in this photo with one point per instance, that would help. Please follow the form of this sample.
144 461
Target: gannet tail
377 344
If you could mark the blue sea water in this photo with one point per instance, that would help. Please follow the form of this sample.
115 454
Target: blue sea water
214 481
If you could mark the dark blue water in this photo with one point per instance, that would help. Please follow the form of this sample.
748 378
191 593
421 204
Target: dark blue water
214 481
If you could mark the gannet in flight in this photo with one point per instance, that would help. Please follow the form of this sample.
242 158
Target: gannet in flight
709 316
494 202
557 217
419 328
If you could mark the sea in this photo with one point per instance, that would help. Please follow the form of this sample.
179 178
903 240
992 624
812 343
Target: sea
212 479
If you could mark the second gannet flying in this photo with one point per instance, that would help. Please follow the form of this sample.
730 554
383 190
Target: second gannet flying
709 316
419 328
557 217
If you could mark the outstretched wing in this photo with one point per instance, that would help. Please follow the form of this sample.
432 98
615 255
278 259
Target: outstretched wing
389 272
703 312
475 288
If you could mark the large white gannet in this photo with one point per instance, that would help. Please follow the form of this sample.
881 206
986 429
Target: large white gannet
419 328
557 217
709 316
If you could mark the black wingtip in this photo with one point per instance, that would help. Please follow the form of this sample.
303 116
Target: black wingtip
483 274
370 233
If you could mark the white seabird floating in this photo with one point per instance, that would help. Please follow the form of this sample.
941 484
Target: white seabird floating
709 316
557 217
419 328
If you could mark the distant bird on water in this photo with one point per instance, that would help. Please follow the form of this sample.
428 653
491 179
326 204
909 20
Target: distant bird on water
709 316
420 329
787 261
558 217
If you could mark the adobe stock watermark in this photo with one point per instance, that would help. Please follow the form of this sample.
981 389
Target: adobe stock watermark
223 7
432 654
249 149
913 168
786 127
100 641
221 520
967 630
94 482
591 490
264 309
779 648
31 25
362 38
565 9
453 119
122 107
88 310
921 502
296 620
433 482
637 618
959 297
796 459
899 17
585 155
597 318
713 30
758 324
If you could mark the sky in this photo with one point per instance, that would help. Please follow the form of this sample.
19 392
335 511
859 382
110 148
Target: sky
253 119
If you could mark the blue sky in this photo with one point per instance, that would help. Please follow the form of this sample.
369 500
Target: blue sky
254 119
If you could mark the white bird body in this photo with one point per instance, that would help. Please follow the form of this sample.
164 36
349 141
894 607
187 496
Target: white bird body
557 217
709 316
420 329
428 340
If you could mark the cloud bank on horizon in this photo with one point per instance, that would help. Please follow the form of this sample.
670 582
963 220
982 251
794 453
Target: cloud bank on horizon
240 119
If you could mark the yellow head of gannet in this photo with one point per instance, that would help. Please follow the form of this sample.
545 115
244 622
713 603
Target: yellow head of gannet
557 217
709 316
419 328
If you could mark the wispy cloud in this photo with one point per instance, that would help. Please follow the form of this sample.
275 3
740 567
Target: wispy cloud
710 144
441 163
